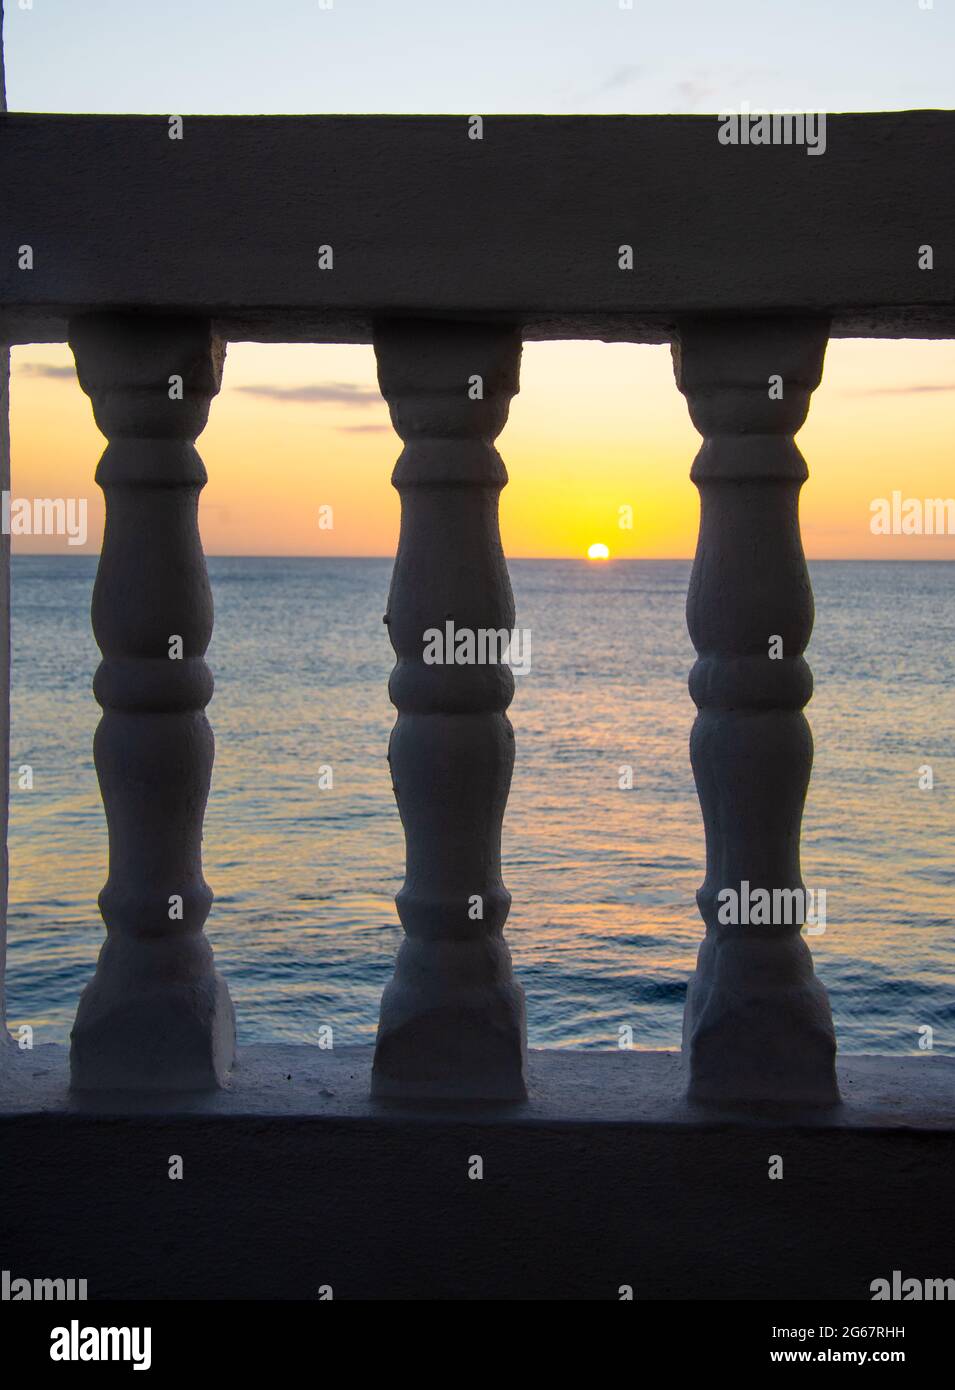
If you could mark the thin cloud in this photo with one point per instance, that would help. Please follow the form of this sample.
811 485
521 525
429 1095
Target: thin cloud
704 85
364 429
331 393
620 77
47 369
917 390
613 82
693 92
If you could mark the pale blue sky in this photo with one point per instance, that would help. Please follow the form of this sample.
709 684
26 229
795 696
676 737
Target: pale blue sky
480 56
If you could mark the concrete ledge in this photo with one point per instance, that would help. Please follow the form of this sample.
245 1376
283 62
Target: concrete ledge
293 1179
565 1087
523 225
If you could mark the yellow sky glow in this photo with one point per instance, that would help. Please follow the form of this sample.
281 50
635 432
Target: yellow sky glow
596 429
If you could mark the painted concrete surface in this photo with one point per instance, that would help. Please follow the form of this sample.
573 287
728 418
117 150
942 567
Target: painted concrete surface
156 1014
452 1019
564 1087
526 223
293 1179
757 1022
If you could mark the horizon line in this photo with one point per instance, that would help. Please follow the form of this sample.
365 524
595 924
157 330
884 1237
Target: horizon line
576 559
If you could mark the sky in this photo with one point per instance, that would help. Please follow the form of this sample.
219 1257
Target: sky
596 426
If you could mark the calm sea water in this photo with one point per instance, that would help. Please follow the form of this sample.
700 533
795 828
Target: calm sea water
604 928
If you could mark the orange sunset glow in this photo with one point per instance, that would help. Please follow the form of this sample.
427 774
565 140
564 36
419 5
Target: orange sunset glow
598 443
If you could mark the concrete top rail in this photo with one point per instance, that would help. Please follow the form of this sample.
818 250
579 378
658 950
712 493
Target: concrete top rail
523 225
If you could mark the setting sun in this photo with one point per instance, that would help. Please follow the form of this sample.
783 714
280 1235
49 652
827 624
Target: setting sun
598 551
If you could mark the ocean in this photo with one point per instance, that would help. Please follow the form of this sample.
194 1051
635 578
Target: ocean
603 927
